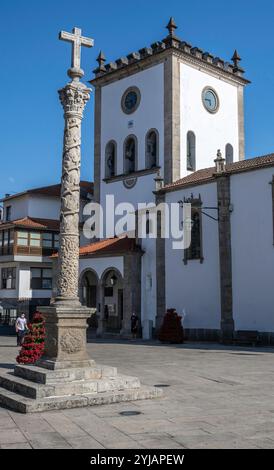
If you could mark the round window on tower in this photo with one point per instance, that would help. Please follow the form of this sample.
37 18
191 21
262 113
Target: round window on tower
131 100
210 100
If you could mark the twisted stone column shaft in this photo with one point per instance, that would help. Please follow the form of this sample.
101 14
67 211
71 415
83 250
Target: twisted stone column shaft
73 98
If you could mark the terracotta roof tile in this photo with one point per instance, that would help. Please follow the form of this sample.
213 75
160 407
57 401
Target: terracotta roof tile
53 190
109 245
34 223
208 174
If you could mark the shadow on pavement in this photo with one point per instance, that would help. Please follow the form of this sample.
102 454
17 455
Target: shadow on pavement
255 350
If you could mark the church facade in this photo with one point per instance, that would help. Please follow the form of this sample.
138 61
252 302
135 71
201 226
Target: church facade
161 115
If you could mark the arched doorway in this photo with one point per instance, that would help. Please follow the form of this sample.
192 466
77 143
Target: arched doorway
113 300
89 295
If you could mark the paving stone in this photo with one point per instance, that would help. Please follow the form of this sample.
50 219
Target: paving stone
21 445
6 422
47 440
64 426
84 442
11 436
220 397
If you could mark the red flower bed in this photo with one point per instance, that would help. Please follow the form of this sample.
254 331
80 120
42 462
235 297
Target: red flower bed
33 346
171 330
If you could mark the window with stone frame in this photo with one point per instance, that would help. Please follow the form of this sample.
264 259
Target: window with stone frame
8 278
191 151
130 154
195 250
41 278
152 149
110 159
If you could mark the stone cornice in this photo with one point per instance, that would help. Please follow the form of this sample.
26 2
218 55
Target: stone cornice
158 53
135 174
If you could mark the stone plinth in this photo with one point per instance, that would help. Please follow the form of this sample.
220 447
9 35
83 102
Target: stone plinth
65 377
31 389
65 342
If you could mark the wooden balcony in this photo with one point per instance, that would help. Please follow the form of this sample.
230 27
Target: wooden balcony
27 251
33 251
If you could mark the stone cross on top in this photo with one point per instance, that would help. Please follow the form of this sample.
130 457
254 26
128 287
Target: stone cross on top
77 41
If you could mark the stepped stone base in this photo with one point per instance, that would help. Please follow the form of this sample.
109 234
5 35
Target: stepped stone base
32 389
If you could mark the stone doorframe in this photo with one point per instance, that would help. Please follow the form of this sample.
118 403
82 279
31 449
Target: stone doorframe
80 284
131 290
101 298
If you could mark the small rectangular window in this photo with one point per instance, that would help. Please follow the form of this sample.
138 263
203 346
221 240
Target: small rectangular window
41 278
22 238
56 240
35 239
8 213
8 278
47 240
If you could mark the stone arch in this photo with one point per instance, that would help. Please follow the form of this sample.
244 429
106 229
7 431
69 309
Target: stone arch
112 300
85 283
110 268
111 159
152 148
130 154
191 151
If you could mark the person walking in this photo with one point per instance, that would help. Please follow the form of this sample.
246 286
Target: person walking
21 328
134 325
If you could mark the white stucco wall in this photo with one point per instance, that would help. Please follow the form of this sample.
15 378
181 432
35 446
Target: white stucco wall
24 290
8 294
40 207
19 207
213 131
195 287
44 207
150 114
23 276
99 265
252 250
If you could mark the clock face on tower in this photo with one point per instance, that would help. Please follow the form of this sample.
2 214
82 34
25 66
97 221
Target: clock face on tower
210 100
131 100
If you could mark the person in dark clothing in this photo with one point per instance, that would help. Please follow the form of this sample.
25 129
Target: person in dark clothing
134 325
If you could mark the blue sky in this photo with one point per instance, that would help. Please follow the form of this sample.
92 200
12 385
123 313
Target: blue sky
34 64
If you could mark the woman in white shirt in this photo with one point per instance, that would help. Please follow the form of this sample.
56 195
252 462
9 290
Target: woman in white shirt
21 328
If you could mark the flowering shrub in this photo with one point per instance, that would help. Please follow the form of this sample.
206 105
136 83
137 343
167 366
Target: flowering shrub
33 345
171 330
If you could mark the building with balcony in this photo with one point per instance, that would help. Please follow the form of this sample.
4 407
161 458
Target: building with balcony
29 235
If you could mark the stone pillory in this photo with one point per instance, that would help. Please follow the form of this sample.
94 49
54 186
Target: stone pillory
65 377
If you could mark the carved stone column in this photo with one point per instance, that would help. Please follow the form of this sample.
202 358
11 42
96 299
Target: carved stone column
66 319
73 98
